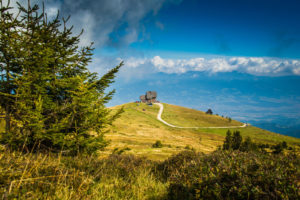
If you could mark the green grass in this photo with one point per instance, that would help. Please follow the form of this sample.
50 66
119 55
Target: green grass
186 117
138 129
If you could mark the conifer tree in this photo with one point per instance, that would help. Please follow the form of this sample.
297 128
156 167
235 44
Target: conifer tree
56 102
9 54
248 145
236 140
228 141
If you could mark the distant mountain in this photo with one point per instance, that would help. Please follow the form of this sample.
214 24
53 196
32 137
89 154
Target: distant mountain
290 127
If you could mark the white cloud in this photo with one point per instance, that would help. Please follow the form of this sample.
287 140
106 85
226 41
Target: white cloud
51 8
116 23
88 23
52 11
105 22
134 63
251 65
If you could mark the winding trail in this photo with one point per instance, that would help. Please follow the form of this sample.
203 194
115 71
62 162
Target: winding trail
161 109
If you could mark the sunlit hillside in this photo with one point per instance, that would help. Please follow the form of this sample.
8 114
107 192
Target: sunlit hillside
138 129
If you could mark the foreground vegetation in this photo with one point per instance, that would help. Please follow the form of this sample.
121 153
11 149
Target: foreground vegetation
233 175
187 175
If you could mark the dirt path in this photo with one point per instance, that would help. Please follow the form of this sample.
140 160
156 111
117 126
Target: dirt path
161 109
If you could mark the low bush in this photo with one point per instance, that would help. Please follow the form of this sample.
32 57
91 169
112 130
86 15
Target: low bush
172 165
188 147
157 144
233 175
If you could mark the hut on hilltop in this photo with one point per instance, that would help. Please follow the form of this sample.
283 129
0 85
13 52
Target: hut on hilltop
149 97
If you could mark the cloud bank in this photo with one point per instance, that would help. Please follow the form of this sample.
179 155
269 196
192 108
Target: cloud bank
120 22
105 22
252 65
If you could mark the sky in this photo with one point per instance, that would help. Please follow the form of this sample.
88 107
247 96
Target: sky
239 58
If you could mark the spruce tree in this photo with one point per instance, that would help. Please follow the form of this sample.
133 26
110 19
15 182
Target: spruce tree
228 141
236 140
9 59
56 102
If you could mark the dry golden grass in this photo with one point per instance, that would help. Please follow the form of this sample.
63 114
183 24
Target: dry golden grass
138 129
56 176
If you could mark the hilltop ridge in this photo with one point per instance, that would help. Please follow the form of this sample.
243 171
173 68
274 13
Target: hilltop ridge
229 124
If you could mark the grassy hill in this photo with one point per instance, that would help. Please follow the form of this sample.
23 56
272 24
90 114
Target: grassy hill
138 129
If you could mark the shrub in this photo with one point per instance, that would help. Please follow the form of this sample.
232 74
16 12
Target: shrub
170 166
248 145
284 145
235 175
157 144
228 141
277 149
209 111
188 147
236 140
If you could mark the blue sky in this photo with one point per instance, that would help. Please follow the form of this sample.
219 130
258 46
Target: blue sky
228 27
239 57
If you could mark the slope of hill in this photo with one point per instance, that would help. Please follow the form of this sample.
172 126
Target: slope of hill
186 117
138 129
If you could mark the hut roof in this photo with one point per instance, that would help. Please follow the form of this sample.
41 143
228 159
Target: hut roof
154 94
151 95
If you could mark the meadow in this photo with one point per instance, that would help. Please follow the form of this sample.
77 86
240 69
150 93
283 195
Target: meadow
138 129
186 117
